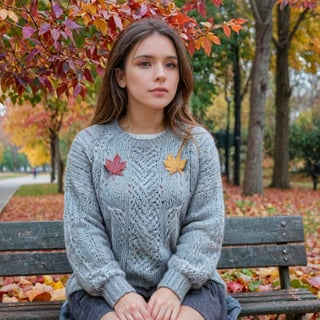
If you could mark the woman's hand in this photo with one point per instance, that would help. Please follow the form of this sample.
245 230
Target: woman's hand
164 304
132 306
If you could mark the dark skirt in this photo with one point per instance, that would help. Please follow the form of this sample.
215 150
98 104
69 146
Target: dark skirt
210 301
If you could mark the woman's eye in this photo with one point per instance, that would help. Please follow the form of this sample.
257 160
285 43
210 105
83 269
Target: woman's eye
171 65
145 64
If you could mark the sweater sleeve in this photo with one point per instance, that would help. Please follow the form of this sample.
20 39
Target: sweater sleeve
87 244
200 241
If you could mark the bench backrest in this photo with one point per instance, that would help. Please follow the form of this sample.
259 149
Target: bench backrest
37 248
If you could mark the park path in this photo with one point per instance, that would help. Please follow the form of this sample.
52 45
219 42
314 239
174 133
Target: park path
9 186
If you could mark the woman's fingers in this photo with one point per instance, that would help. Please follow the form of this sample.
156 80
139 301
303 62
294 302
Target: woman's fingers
132 306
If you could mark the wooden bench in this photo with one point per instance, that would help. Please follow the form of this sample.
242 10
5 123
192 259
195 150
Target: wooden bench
37 248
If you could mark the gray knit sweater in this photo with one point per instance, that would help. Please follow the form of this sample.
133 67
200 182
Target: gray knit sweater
132 223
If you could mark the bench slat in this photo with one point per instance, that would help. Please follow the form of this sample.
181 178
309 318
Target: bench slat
34 263
276 229
26 310
262 256
49 234
280 307
31 235
43 263
278 295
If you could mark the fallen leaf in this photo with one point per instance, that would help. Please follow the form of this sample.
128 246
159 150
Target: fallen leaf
234 286
315 282
57 285
7 299
59 295
38 295
40 292
268 272
10 289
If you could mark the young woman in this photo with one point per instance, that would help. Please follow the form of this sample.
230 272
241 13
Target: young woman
144 210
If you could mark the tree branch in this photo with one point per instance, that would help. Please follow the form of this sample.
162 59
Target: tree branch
297 24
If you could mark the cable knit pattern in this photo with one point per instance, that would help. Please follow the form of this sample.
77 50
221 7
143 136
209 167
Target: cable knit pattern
144 228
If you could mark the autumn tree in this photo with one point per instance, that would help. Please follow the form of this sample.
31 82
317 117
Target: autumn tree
53 50
61 48
287 27
26 126
262 10
253 182
34 129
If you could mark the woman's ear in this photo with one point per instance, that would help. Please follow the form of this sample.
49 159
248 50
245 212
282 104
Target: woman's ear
120 77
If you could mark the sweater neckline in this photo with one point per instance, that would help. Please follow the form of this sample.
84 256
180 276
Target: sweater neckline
145 136
141 137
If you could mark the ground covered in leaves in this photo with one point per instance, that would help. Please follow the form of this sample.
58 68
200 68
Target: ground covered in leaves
296 201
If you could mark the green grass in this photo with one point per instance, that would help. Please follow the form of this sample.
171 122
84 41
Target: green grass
7 175
37 190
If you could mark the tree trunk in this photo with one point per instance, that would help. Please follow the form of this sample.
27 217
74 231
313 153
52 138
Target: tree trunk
52 156
253 179
280 177
59 165
237 114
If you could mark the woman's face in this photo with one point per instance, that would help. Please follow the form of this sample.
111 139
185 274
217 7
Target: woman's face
151 74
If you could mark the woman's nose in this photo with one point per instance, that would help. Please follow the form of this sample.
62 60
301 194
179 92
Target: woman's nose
160 73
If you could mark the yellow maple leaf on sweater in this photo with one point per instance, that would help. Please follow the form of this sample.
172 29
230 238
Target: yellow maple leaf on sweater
174 164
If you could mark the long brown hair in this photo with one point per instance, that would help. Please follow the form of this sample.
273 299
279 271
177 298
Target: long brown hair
112 99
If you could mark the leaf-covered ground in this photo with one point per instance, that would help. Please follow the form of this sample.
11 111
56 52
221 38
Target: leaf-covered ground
296 201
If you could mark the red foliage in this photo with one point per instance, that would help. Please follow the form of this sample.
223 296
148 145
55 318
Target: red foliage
61 47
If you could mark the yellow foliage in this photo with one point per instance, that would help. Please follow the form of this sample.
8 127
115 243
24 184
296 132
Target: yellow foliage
37 154
101 25
217 112
47 279
305 47
29 127
58 285
89 8
30 135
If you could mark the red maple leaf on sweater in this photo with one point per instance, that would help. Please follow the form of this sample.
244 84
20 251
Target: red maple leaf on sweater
115 166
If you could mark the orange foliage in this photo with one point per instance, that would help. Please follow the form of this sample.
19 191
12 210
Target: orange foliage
35 208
